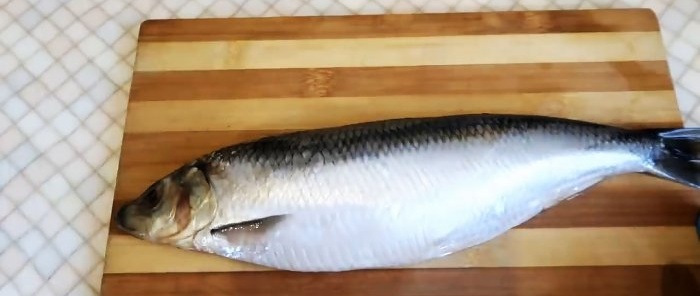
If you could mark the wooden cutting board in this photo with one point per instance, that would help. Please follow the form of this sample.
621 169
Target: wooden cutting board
202 84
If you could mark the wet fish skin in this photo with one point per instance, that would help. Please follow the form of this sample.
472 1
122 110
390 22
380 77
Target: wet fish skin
393 192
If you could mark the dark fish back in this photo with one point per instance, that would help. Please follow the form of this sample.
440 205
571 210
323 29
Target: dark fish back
372 139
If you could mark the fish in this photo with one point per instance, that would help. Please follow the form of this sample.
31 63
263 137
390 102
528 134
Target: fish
394 192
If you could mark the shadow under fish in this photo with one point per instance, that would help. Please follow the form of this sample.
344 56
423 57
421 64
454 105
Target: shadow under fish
680 280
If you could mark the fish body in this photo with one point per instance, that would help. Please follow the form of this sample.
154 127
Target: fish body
394 192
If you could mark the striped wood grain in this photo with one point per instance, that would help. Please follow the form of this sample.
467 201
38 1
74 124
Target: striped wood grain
400 51
395 81
426 24
631 109
203 84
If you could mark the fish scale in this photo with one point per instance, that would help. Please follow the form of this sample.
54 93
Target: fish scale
402 191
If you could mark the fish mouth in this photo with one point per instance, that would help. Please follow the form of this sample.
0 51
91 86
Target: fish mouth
124 222
134 216
120 220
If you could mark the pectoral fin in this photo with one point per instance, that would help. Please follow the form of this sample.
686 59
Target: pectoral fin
257 226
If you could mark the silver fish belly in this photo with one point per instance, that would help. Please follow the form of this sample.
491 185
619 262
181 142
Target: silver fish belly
400 192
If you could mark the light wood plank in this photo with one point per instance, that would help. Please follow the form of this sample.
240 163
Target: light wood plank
402 51
645 108
536 247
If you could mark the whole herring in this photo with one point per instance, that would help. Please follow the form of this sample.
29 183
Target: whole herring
393 192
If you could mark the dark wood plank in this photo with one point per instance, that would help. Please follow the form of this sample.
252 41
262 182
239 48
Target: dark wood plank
672 280
388 81
399 25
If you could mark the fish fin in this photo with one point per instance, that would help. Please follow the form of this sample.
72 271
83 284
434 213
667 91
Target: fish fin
257 226
682 133
678 158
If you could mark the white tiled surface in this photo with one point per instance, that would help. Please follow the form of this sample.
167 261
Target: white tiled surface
65 70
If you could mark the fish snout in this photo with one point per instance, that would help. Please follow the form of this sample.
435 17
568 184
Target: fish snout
129 221
122 219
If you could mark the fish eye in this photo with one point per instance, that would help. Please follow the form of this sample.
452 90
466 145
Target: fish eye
150 198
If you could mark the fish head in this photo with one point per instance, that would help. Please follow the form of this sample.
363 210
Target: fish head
172 210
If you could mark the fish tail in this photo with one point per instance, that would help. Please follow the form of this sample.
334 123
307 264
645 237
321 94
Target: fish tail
678 159
678 156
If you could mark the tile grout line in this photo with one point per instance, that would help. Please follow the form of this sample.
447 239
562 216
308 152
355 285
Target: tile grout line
85 206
